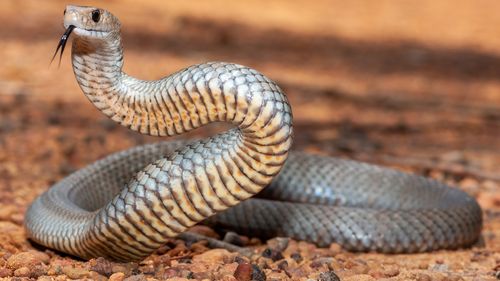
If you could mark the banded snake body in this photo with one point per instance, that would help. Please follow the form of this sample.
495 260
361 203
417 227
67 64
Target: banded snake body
128 204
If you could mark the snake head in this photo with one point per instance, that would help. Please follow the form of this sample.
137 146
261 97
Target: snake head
88 23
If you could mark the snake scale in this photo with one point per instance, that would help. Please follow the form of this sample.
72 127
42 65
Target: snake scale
128 204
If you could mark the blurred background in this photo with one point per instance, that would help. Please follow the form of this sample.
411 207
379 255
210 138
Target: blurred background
410 84
382 80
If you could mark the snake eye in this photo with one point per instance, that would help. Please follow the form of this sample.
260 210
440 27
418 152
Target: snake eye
96 15
64 12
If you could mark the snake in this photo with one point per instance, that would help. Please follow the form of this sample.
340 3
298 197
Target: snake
129 204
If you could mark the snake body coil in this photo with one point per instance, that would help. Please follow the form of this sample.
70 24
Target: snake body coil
126 205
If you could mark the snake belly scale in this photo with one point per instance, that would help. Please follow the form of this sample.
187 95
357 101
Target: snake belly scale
128 204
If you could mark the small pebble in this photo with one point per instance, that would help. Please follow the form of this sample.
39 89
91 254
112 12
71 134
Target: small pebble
6 212
149 268
75 273
101 266
296 257
316 263
167 273
360 269
5 272
138 277
206 275
335 248
423 277
272 254
125 268
119 276
22 272
257 273
439 267
455 278
226 269
423 265
283 265
328 276
298 272
41 256
228 278
390 271
438 277
24 259
38 270
97 277
278 244
277 275
215 256
239 259
243 272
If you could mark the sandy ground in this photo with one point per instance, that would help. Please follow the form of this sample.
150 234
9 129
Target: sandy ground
409 84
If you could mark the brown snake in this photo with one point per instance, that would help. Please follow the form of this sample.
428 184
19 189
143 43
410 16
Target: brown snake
128 204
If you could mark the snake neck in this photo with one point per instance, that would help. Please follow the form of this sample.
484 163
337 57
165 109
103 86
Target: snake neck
185 100
97 65
180 102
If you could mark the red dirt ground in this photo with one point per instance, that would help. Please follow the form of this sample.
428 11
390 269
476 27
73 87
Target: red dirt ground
410 84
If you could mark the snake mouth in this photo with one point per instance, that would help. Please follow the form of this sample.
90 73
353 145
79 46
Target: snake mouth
62 43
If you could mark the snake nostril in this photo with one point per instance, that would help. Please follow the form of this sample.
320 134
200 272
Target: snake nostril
64 13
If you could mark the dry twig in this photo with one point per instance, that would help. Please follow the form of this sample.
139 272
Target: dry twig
215 243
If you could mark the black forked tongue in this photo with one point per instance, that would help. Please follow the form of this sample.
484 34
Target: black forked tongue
62 43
